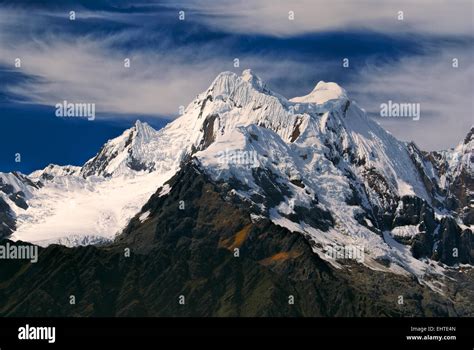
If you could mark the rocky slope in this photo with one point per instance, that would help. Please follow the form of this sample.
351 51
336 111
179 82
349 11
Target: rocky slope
190 253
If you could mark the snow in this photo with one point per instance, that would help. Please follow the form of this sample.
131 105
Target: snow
140 146
308 144
98 199
453 162
54 170
165 190
144 216
18 182
405 231
384 153
74 241
322 93
326 118
402 255
256 218
75 206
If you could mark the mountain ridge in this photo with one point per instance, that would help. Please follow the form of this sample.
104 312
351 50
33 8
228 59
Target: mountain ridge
306 159
175 254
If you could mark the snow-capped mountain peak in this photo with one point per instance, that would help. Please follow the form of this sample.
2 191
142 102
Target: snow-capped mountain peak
249 76
322 93
240 88
143 132
52 171
127 153
315 164
465 151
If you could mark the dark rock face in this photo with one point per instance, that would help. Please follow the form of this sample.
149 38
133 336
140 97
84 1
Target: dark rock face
463 195
385 210
274 192
6 188
98 164
208 131
19 199
7 217
455 245
187 247
378 183
314 216
419 158
414 211
456 194
7 220
137 165
422 245
296 130
450 184
441 240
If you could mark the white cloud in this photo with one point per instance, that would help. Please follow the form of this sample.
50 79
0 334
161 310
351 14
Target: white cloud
90 69
445 95
271 17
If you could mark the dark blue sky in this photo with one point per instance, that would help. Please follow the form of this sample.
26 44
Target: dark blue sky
41 138
174 60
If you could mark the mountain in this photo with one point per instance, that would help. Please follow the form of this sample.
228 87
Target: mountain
190 253
314 168
449 176
134 151
91 204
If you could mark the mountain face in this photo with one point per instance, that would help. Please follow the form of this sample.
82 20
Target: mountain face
15 190
134 151
82 205
449 176
315 168
190 252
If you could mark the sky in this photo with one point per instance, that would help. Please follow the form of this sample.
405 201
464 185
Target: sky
408 60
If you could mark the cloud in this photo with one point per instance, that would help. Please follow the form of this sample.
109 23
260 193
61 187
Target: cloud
445 95
88 66
271 17
88 72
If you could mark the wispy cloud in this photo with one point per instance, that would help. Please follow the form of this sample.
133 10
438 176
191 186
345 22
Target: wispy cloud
87 71
81 62
444 93
91 68
271 17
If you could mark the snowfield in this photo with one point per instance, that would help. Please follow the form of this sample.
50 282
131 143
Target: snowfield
92 207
